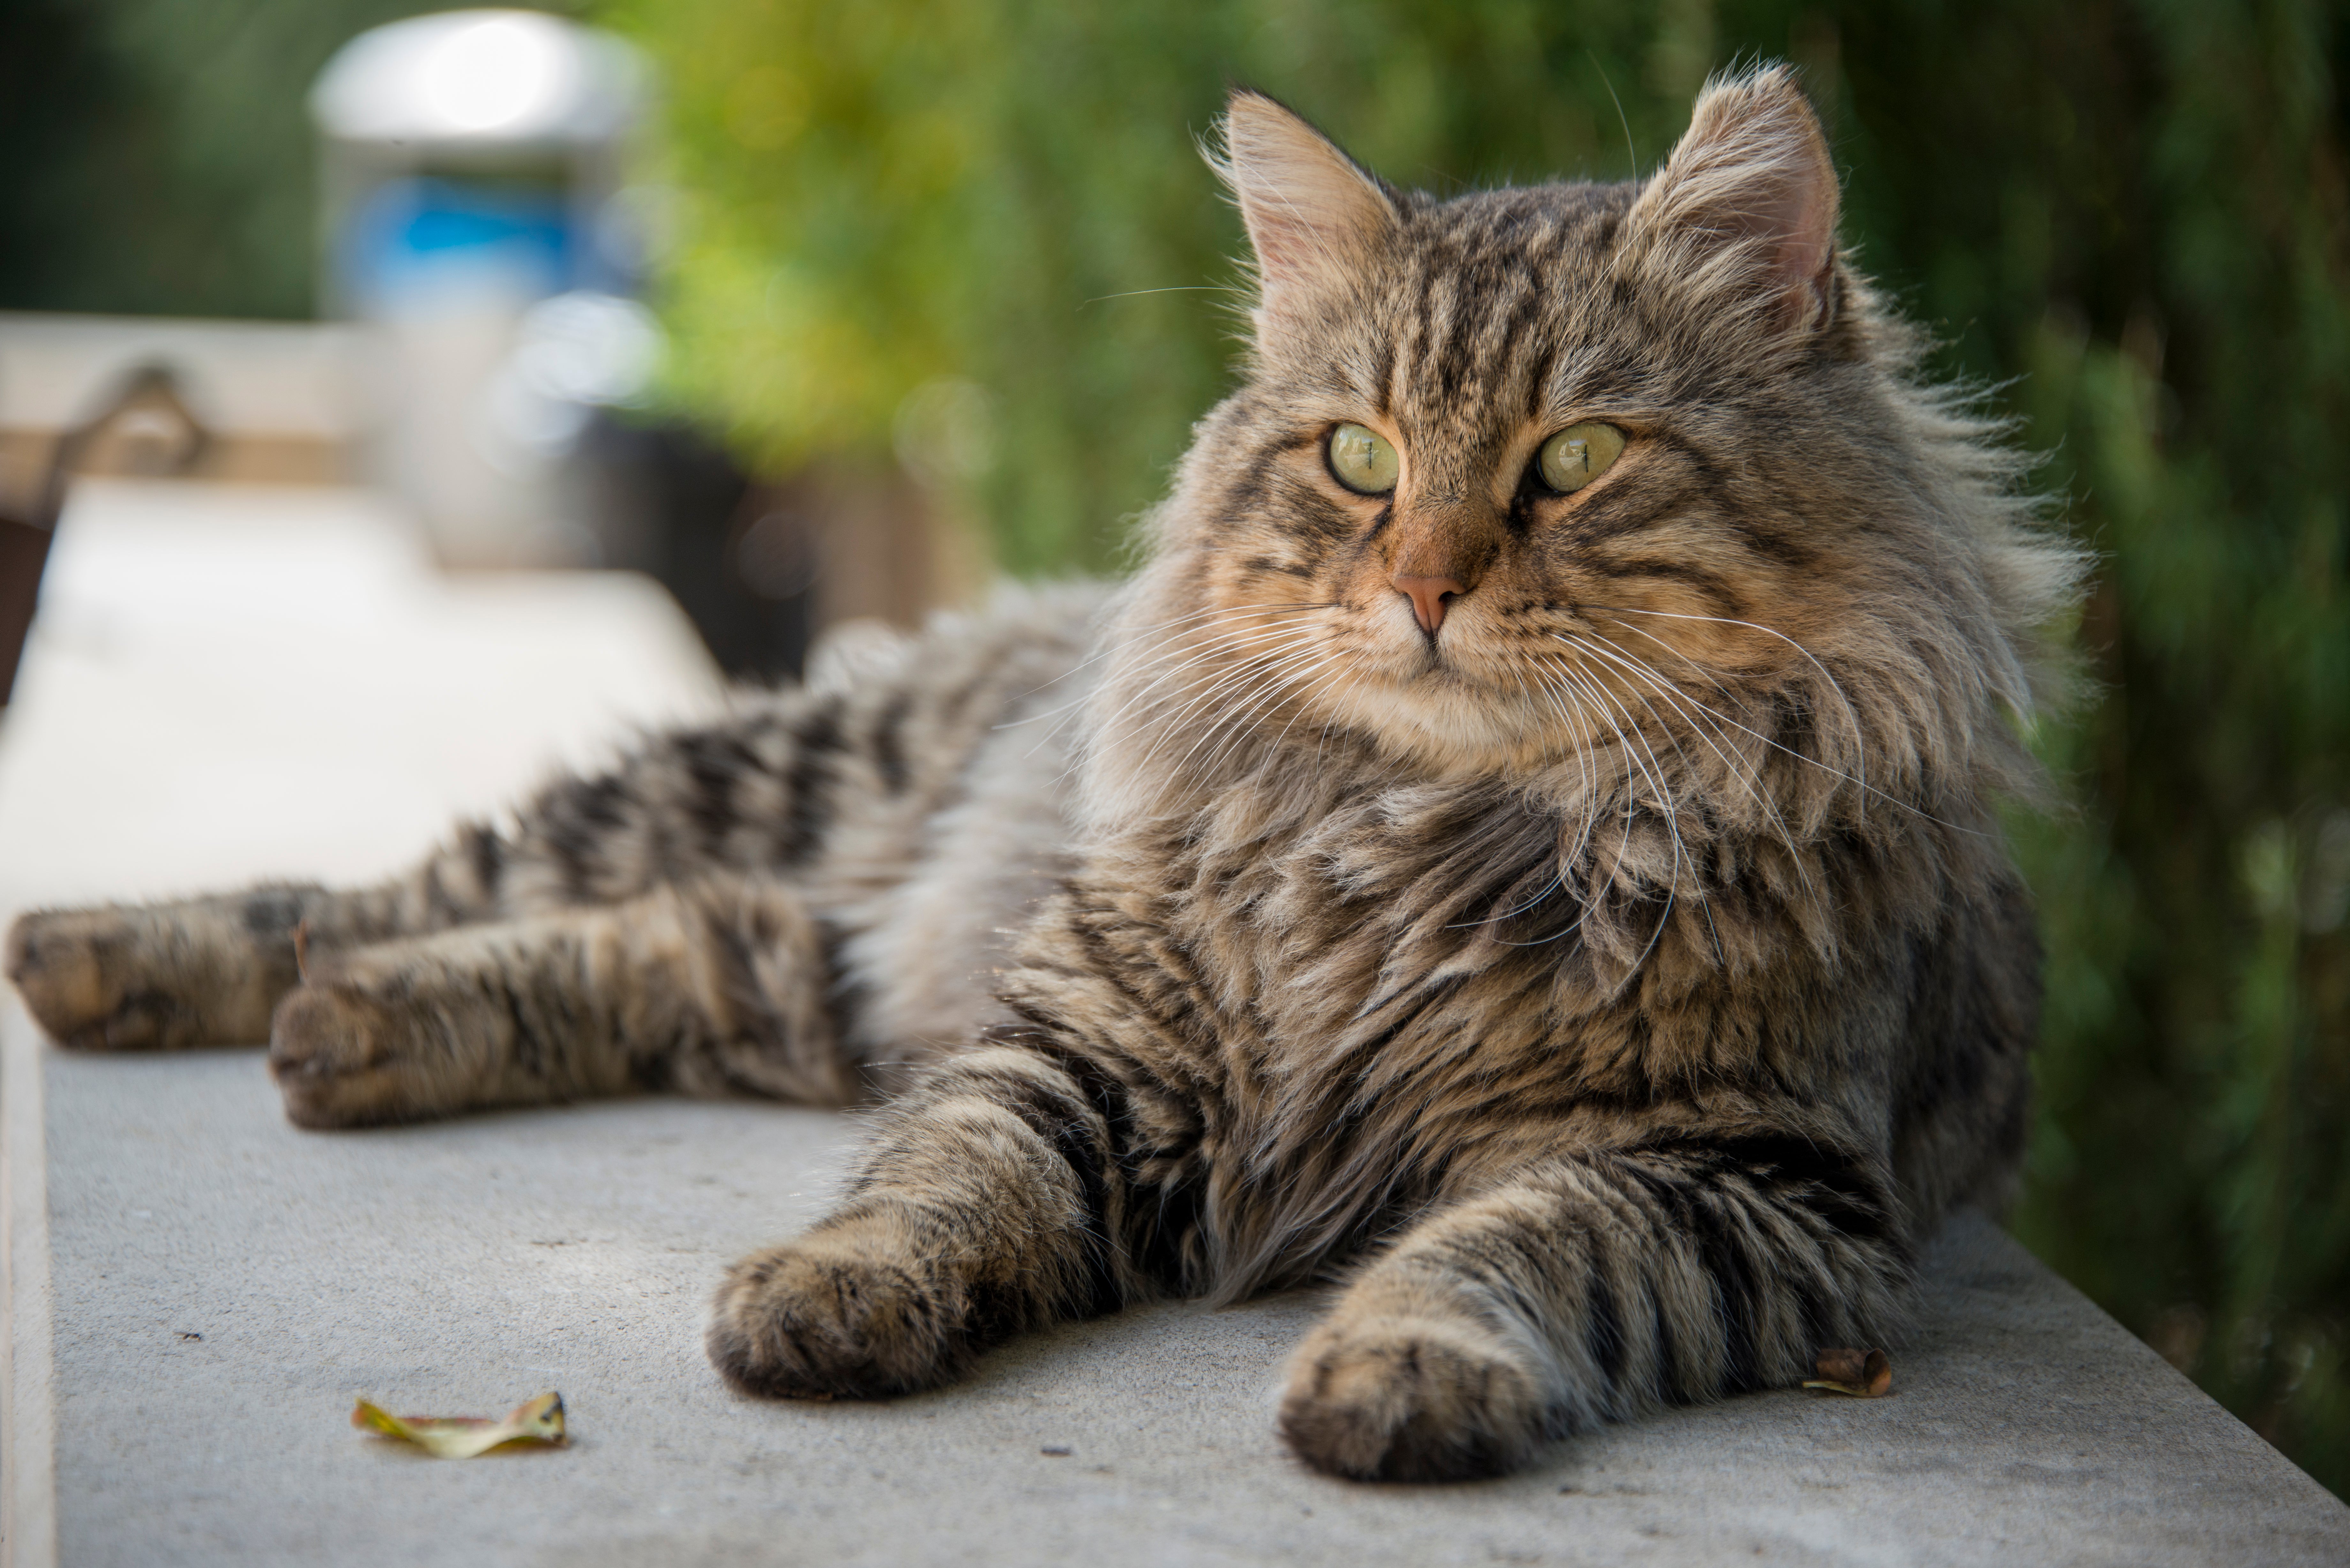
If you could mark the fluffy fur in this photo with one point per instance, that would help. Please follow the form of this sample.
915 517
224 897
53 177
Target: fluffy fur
1613 983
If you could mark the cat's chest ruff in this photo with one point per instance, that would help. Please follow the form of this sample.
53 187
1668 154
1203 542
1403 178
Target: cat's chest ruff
1316 929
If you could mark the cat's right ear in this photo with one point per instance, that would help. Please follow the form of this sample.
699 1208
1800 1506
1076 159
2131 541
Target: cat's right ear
1314 216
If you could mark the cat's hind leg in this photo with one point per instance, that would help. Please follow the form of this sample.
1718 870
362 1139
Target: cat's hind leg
708 988
198 972
1590 1288
209 970
755 790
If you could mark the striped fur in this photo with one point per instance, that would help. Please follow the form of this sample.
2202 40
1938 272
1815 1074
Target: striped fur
1612 985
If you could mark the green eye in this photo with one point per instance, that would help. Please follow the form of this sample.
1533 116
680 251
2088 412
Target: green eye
1578 455
1363 461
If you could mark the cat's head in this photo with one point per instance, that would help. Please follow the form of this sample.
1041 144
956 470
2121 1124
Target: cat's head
1635 480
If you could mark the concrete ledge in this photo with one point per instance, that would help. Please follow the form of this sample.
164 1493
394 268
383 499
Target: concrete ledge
458 1268
29 1479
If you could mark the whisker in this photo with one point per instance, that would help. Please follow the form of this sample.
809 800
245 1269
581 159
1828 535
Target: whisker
1690 708
1224 643
1699 713
1654 771
1249 705
1572 712
1852 718
1351 662
1150 692
1141 634
1177 288
1232 679
1704 908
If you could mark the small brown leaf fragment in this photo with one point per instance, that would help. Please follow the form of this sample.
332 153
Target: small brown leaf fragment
537 1422
1862 1373
302 949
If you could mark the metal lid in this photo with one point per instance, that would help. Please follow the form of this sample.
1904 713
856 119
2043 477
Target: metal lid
480 79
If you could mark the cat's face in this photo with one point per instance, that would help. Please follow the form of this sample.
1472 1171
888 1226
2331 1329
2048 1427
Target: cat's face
1519 476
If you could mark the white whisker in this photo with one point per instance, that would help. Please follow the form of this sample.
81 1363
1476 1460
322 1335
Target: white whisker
1852 716
1692 710
1229 680
1140 633
1860 783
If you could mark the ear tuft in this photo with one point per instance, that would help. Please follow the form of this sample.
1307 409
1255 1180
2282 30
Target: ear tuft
1749 188
1314 215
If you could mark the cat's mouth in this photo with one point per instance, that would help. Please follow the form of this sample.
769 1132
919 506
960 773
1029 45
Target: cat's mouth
1457 654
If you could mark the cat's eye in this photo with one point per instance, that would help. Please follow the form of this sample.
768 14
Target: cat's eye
1363 461
1578 455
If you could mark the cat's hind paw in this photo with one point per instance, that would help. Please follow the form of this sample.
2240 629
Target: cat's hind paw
343 1058
85 976
1408 1399
836 1314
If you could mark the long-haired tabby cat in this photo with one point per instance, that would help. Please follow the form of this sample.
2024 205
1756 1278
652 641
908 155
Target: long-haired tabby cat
1523 844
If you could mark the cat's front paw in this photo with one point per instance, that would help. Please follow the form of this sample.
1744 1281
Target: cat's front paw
1410 1400
86 977
836 1313
344 1058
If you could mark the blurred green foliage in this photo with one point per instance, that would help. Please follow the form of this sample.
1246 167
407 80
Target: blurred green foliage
2129 217
875 197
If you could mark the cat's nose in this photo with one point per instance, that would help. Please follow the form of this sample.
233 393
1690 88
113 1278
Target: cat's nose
1427 596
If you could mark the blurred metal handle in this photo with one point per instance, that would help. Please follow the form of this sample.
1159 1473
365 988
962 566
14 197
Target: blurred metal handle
25 542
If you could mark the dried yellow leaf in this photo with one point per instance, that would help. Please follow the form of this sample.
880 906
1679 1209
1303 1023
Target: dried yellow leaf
535 1421
1862 1373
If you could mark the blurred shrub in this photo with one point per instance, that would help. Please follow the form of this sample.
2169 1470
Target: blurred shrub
1006 198
978 232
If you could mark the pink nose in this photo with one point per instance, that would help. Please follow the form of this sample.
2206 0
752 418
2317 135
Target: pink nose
1428 595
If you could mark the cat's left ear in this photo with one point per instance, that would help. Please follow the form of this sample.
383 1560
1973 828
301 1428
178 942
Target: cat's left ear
1747 203
1314 216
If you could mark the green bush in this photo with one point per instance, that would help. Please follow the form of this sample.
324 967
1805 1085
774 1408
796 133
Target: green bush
2129 219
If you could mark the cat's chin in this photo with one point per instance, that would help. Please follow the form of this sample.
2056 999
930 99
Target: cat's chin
1451 723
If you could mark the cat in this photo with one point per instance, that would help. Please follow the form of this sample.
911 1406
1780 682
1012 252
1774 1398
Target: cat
1523 846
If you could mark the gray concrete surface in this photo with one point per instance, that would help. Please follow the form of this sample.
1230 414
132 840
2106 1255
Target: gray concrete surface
459 1268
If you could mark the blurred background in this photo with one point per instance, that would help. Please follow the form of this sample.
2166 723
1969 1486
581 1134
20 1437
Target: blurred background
819 313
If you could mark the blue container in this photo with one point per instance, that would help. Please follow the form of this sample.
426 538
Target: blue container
428 240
